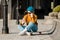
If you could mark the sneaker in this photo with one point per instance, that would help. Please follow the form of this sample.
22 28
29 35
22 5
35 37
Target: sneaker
29 33
21 34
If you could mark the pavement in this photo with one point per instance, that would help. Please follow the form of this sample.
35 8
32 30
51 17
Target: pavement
13 32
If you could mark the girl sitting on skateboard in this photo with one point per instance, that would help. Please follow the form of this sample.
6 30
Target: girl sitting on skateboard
29 22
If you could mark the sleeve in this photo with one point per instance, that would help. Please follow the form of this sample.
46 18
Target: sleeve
34 19
24 18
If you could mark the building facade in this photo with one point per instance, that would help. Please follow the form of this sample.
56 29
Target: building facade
42 7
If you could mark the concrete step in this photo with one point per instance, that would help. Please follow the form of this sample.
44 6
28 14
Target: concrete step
48 17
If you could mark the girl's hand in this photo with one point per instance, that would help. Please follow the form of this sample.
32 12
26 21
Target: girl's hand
23 21
31 14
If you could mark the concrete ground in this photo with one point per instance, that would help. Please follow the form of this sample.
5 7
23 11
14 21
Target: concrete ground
13 32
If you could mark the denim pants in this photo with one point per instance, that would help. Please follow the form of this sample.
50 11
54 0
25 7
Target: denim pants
31 27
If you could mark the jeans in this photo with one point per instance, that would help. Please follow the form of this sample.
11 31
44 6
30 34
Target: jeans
31 27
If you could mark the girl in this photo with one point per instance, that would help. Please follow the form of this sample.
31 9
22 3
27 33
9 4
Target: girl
30 21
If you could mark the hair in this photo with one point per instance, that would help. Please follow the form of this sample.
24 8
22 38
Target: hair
25 12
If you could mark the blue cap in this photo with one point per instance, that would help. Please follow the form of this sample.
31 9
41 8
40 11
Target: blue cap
30 8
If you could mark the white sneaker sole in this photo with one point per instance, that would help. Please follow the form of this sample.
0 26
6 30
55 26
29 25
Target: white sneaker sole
28 33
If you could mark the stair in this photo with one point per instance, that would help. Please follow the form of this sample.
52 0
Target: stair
48 17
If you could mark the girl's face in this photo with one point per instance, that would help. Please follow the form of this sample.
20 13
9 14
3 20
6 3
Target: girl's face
29 13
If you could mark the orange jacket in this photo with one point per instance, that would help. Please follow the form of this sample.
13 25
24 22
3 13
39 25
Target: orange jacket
28 18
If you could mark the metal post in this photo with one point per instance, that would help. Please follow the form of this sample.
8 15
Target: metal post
5 29
17 13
